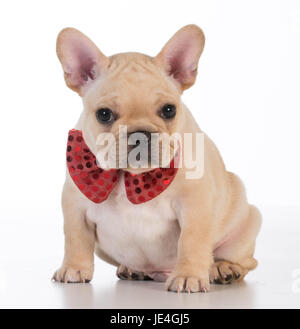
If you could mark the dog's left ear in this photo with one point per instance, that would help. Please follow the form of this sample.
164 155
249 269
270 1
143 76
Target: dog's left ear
179 57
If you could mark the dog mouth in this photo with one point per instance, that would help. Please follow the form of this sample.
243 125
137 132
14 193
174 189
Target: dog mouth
138 151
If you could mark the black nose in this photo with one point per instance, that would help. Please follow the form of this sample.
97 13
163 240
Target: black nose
144 134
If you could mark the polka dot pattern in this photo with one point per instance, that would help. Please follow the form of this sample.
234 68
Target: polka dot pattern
146 186
96 184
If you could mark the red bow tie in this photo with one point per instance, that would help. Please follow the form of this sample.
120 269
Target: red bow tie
96 184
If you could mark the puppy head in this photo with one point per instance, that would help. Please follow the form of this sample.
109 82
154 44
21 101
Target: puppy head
131 91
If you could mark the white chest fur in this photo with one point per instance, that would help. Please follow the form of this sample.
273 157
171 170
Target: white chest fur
142 237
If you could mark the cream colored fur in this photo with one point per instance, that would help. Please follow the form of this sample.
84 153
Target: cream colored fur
197 231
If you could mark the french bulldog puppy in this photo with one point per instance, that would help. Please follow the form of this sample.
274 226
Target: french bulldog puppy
197 231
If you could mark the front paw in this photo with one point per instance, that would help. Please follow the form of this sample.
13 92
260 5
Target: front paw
72 274
180 281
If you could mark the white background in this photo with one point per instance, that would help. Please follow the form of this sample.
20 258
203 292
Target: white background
246 98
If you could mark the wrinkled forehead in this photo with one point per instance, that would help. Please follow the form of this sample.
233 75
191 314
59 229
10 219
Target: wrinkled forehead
133 78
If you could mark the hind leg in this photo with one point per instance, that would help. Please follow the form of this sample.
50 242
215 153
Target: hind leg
224 272
124 273
234 259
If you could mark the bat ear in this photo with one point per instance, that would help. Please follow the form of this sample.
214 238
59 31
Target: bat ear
179 57
81 60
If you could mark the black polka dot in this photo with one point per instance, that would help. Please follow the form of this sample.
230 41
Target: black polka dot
158 175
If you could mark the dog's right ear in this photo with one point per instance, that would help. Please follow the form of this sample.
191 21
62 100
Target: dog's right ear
81 60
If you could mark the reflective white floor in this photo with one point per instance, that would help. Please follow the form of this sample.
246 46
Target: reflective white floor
31 248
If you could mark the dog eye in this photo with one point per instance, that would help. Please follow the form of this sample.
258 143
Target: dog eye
168 111
104 115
